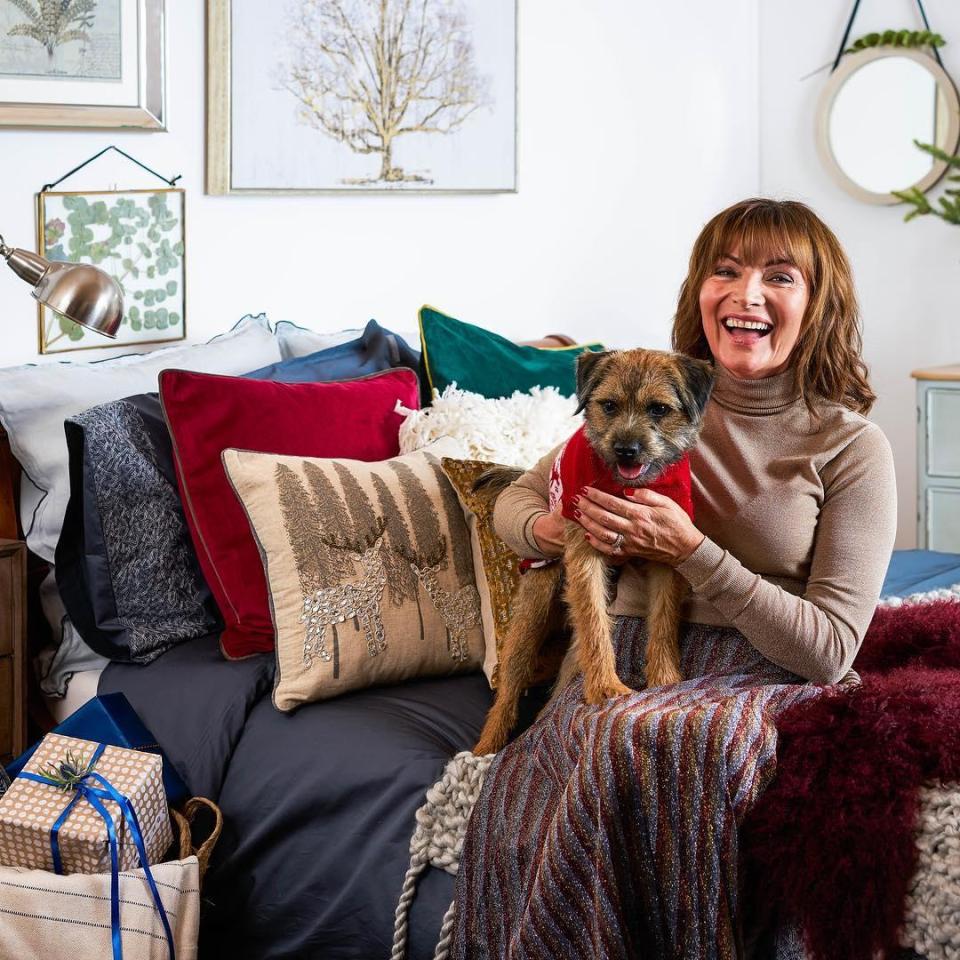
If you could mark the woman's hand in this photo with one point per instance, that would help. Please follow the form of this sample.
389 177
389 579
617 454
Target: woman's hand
548 532
654 527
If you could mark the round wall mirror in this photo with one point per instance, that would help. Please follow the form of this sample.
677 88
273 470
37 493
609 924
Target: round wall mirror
873 107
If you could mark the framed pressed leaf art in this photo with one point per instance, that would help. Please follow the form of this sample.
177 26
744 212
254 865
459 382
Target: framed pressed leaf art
138 237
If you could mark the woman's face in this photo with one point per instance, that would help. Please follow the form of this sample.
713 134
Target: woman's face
752 314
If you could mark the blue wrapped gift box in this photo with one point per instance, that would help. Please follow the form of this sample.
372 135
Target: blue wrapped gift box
111 720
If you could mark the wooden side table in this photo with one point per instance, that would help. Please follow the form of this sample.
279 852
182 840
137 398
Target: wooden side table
13 649
938 458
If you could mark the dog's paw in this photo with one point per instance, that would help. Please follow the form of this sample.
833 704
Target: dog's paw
662 677
595 693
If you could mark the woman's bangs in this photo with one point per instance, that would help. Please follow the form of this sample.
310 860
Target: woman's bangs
761 238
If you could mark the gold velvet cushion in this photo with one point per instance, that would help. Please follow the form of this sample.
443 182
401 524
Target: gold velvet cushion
368 569
497 566
498 574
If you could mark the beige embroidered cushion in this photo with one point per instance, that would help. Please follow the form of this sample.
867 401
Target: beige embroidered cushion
368 568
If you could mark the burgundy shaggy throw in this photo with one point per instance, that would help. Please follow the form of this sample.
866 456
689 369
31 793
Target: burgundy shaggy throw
830 845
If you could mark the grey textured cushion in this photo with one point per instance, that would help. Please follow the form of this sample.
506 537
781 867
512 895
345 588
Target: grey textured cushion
125 563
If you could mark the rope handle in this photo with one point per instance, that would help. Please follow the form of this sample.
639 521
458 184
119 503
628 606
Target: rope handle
184 822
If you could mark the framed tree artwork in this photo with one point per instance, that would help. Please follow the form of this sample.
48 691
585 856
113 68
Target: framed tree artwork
137 236
361 95
82 63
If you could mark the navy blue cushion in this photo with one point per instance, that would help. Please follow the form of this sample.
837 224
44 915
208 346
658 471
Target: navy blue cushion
374 350
125 564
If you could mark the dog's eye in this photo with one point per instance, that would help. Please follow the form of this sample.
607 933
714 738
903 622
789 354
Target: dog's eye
658 410
608 406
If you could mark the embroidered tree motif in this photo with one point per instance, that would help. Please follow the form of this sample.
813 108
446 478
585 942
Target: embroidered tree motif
303 528
400 577
329 606
362 517
429 541
460 611
331 513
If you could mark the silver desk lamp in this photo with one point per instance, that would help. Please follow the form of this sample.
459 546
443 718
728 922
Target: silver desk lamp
81 292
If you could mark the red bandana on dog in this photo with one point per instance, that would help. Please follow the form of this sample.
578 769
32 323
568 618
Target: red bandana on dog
577 466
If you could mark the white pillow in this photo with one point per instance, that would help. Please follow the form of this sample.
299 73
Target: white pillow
36 399
299 341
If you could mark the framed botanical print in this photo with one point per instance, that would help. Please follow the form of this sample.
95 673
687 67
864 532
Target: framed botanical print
309 96
137 236
82 63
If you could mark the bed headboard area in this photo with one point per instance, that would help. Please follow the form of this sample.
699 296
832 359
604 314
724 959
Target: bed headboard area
9 491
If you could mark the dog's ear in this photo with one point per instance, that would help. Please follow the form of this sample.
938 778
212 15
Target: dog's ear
696 383
590 366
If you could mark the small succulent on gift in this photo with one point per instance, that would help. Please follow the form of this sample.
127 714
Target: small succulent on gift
949 204
68 772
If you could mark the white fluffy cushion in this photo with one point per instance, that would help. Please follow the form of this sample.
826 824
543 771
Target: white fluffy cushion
516 430
35 399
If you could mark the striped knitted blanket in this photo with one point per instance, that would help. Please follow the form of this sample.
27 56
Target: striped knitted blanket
611 831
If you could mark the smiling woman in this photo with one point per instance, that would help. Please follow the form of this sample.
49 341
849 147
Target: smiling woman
637 799
775 263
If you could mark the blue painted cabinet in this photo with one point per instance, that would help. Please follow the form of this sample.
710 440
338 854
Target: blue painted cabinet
938 458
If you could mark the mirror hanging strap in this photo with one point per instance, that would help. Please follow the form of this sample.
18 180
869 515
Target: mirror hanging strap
853 14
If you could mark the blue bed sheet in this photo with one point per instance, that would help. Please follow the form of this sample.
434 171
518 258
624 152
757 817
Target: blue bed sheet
917 571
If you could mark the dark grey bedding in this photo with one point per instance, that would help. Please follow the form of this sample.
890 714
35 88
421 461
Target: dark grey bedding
318 805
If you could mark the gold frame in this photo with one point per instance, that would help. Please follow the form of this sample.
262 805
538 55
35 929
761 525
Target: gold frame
107 343
218 153
148 114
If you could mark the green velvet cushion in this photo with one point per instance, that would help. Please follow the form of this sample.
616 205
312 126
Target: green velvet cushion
486 363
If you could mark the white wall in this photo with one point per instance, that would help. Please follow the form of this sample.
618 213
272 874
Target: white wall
636 123
908 275
634 127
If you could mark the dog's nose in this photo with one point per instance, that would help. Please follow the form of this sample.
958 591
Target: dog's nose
628 452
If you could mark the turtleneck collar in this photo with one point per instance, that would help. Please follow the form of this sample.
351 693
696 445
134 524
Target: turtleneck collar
758 397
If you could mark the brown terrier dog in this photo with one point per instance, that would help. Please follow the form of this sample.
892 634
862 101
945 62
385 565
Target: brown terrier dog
643 413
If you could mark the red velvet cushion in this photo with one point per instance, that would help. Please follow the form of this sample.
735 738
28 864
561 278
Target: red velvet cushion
207 413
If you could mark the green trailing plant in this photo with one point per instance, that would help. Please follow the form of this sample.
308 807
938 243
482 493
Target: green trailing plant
947 206
897 38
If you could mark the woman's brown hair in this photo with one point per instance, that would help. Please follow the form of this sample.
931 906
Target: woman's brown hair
826 359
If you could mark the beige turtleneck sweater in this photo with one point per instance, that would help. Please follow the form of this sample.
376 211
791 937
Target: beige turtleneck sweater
799 520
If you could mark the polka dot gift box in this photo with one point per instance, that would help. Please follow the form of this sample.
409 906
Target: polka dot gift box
29 809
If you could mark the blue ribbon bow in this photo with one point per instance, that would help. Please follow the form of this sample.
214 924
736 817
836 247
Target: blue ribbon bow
95 796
